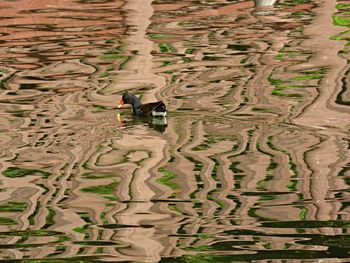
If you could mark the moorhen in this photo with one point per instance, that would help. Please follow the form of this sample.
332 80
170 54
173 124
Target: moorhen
155 109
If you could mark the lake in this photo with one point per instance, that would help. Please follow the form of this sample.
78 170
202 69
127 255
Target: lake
251 163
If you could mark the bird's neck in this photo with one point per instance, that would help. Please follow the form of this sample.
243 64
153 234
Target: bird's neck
135 102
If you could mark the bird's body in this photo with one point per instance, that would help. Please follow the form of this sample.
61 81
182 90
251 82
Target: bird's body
155 109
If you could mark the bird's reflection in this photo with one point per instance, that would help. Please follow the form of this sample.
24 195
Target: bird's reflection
157 123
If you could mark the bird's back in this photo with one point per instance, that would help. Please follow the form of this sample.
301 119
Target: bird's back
152 109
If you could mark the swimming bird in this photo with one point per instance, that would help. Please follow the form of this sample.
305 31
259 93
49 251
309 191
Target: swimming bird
155 109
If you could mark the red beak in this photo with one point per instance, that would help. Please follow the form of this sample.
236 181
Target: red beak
121 103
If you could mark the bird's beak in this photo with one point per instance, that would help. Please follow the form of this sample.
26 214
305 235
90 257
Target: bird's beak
121 103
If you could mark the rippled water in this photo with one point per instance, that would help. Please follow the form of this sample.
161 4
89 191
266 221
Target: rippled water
252 163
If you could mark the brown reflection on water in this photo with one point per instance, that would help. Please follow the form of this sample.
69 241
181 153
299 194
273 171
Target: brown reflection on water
250 164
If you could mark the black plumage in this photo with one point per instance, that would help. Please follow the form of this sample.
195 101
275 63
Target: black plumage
155 109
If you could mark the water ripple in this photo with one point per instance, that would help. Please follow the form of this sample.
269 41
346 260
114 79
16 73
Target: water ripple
250 165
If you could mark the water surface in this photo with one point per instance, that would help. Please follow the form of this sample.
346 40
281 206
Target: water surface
251 164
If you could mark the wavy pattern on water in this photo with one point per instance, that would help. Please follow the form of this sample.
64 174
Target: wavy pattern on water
251 164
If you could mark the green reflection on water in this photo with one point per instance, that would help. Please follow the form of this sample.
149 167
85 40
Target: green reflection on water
341 21
14 172
13 207
159 36
308 224
166 179
7 221
101 189
165 48
93 175
342 6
